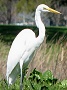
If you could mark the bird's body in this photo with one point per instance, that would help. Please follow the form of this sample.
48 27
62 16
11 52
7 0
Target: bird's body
24 45
20 50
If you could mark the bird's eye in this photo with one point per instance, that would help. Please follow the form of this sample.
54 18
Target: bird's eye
44 8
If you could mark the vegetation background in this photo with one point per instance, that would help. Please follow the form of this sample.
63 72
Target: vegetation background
22 11
52 54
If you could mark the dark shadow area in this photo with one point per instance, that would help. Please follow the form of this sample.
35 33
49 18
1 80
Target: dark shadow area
9 32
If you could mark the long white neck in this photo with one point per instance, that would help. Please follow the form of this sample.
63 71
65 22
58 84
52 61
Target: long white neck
41 27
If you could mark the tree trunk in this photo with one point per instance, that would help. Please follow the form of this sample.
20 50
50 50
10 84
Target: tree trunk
9 7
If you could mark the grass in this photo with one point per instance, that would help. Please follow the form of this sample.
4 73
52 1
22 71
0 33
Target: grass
4 49
50 56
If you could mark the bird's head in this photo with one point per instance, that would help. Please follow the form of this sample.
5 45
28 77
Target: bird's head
45 8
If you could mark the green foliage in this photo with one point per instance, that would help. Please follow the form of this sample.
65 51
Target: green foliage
40 81
2 5
37 81
30 5
9 32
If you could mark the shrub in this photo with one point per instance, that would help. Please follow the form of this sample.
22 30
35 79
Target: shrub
37 81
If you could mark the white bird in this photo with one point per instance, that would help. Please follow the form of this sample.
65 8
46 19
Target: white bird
24 45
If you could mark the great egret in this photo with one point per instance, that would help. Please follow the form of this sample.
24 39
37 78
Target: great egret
24 45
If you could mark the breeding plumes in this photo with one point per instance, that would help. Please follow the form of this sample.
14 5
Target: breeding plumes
24 45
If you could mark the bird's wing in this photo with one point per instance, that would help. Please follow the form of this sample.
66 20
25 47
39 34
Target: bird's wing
15 53
18 49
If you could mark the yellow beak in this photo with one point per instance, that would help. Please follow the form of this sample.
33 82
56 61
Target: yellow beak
53 11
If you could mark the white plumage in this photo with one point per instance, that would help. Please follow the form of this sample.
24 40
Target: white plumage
24 45
19 50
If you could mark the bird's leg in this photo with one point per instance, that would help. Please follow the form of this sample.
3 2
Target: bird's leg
21 64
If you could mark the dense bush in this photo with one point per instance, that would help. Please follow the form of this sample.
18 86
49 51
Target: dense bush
8 32
37 81
43 81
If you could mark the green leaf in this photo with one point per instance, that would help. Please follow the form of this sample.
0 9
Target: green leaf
64 84
47 75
